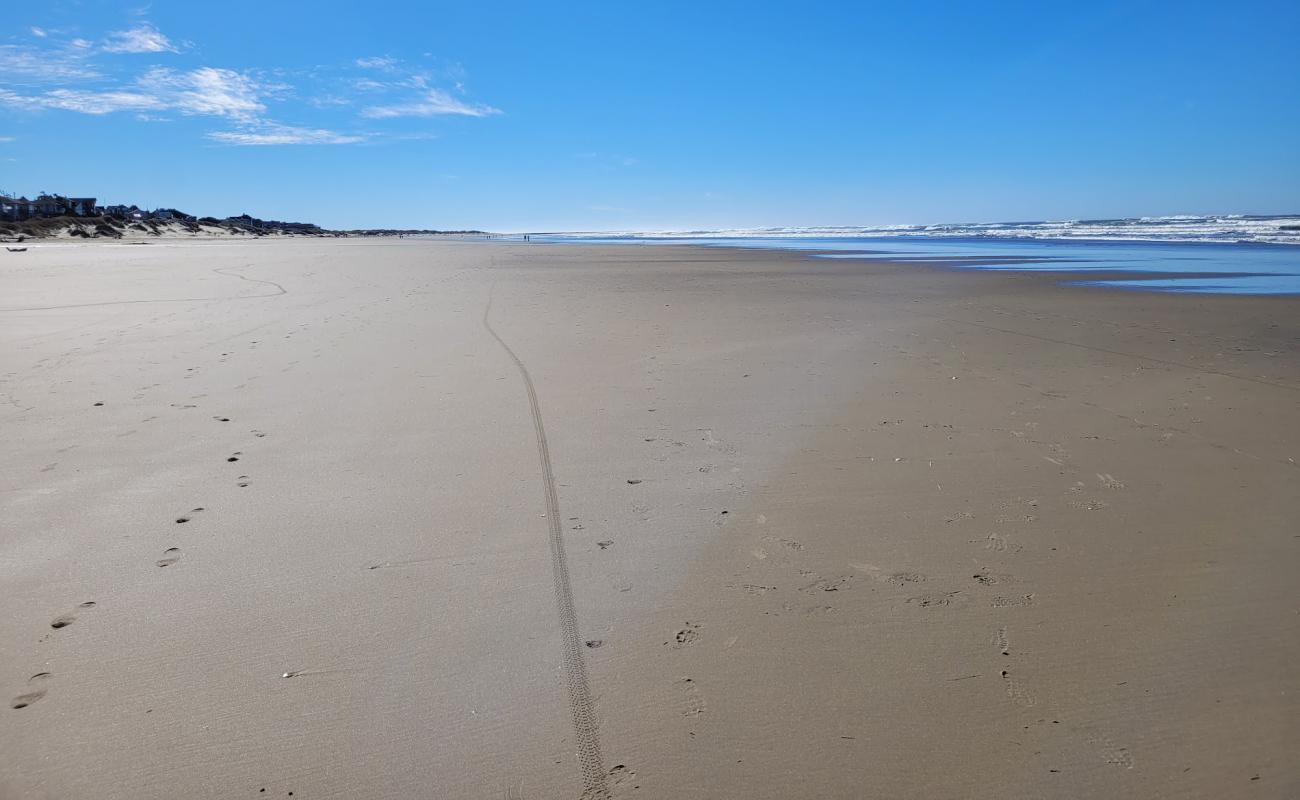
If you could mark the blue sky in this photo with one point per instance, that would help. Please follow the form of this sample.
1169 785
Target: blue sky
611 116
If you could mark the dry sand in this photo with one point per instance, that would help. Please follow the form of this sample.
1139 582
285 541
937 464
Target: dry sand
825 529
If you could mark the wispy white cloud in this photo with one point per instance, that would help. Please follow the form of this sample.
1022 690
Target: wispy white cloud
98 102
382 63
435 102
207 91
6 139
44 65
272 134
50 72
369 85
143 38
329 101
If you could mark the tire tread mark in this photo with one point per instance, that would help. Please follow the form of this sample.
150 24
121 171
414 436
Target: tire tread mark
581 704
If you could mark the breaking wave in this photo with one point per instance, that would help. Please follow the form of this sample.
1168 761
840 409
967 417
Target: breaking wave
1230 228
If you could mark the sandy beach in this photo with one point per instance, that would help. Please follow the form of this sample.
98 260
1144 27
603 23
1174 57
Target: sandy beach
376 518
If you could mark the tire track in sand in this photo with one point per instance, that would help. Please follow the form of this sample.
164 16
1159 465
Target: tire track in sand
583 708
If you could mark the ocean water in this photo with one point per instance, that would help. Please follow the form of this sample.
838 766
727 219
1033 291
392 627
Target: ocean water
1216 255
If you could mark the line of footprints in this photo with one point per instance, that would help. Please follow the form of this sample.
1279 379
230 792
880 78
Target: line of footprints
37 685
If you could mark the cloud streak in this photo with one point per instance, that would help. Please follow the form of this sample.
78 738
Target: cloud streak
97 103
140 39
45 65
381 63
434 103
282 135
206 91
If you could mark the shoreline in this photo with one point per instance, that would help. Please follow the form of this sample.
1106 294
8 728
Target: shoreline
829 524
1109 279
1249 268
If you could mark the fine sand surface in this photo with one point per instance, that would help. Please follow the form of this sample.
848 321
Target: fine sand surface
275 522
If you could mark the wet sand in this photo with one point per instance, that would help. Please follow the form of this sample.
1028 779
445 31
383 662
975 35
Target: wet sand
276 520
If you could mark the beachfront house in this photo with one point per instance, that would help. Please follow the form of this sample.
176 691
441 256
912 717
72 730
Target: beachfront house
81 206
46 205
16 208
13 207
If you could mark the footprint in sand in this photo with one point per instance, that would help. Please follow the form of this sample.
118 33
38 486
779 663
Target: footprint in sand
1088 505
986 578
37 683
1016 690
692 701
170 556
686 636
997 543
937 599
904 578
184 518
242 481
1002 642
829 584
234 456
1109 481
620 774
64 620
